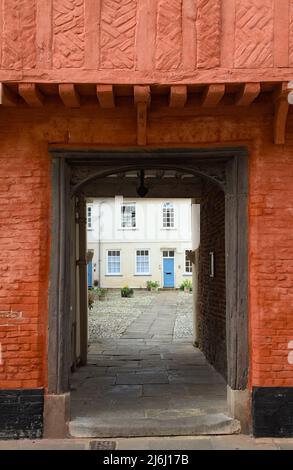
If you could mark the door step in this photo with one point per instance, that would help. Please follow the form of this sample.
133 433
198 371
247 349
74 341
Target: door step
208 424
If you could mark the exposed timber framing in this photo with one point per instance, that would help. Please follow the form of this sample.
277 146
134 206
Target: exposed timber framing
105 96
59 345
7 97
142 98
213 95
248 93
31 94
178 96
69 95
281 113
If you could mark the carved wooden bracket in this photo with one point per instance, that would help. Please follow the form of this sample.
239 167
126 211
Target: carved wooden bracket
142 99
178 96
69 95
7 97
105 96
281 113
248 93
213 95
31 94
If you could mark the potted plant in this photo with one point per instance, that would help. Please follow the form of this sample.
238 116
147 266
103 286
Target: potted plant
101 293
153 286
186 286
126 292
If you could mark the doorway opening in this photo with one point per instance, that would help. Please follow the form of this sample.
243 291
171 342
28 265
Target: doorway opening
160 383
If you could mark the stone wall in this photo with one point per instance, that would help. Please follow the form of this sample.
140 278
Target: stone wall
212 290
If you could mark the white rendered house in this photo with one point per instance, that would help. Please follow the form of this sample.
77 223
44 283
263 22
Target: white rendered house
137 240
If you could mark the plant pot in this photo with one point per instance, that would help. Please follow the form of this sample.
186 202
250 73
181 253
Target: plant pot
187 290
102 297
154 289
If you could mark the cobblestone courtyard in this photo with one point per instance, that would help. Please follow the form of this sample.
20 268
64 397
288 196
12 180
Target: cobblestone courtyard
112 317
144 377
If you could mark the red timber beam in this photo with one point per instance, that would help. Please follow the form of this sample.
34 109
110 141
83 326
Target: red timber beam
207 96
105 96
142 99
69 95
247 94
281 99
31 94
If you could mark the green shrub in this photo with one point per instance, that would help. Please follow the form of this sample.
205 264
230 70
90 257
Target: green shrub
186 285
101 292
153 285
91 298
126 292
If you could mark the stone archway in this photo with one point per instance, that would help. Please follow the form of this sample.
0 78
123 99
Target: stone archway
73 169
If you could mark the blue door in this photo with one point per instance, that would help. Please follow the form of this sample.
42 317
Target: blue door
90 274
168 264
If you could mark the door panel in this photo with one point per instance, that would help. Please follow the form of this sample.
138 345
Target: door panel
90 274
168 264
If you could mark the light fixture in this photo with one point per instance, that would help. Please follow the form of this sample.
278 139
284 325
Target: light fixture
142 190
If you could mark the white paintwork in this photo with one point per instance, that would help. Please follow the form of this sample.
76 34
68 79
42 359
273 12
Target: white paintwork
149 234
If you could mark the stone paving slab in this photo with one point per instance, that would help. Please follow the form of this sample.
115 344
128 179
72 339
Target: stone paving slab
163 385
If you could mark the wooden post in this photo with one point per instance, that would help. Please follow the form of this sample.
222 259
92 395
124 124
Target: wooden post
83 295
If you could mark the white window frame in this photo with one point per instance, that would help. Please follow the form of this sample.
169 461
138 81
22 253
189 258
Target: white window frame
108 273
89 225
168 253
168 206
128 227
149 262
187 273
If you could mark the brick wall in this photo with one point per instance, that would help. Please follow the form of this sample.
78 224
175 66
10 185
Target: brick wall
271 263
25 223
24 238
212 290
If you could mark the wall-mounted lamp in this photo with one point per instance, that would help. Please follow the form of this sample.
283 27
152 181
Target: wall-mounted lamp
212 264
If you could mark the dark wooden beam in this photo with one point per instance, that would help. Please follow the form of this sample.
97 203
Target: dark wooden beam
178 96
213 95
247 94
281 113
31 94
7 97
105 96
141 123
69 95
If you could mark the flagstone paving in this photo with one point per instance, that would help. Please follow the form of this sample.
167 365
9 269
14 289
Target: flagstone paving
148 380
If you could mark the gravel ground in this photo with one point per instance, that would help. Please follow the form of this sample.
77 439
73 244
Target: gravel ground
184 322
111 318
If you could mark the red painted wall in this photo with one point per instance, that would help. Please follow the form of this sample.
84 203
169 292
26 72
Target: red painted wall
25 223
145 42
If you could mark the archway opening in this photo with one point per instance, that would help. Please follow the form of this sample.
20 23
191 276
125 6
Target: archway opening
210 360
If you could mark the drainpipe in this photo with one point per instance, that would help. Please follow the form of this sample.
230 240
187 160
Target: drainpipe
99 235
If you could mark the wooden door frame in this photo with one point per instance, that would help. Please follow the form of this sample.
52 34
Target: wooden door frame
235 187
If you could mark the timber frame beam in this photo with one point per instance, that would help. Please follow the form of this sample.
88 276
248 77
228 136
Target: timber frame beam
281 99
189 97
142 99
